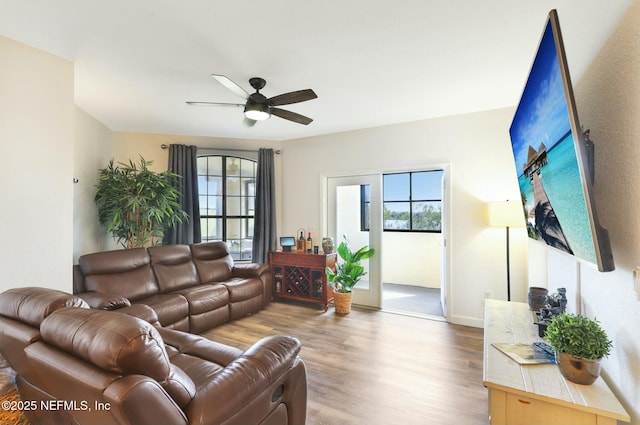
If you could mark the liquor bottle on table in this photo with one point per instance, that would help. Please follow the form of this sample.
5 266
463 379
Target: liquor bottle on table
309 243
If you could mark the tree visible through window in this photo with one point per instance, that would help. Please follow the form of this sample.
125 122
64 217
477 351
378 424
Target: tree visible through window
226 186
412 202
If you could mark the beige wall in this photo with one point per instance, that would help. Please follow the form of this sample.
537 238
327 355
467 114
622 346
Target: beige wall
93 150
412 258
36 184
608 100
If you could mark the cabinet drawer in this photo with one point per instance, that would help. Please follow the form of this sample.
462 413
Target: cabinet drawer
524 410
302 260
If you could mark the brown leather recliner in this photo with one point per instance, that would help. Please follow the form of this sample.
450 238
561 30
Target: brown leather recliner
89 366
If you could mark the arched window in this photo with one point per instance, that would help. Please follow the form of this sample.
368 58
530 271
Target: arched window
226 186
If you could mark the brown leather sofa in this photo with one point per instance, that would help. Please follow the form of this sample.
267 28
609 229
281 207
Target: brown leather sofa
191 288
77 365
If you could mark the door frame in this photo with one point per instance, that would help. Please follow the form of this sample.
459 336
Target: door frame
446 272
372 296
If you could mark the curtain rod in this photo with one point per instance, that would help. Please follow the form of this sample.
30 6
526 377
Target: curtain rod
277 151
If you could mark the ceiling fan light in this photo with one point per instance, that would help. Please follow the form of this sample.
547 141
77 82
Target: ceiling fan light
257 112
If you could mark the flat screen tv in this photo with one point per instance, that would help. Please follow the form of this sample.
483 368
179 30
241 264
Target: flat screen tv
551 158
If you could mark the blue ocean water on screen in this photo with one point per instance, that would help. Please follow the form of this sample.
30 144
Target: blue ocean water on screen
563 185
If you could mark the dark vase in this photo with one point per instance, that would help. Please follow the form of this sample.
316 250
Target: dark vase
537 298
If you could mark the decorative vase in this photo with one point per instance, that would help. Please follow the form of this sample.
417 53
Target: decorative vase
342 301
578 370
327 245
537 298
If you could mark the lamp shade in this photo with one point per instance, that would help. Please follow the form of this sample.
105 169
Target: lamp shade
506 214
257 111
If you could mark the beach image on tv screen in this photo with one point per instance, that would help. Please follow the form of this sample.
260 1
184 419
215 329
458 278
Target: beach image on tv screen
546 161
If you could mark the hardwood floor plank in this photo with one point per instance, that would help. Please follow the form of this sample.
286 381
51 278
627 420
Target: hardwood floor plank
372 367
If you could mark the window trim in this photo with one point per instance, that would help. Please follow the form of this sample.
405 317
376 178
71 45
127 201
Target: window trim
364 225
224 216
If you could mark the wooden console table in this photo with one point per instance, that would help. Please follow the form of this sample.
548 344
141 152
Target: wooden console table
536 394
302 276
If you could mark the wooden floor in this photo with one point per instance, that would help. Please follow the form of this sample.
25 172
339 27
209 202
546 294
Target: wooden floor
371 367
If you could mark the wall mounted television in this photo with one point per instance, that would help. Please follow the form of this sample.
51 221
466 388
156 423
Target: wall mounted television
551 157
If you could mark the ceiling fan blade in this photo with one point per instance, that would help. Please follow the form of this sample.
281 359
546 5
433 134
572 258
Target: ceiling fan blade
292 97
249 122
231 85
239 105
291 116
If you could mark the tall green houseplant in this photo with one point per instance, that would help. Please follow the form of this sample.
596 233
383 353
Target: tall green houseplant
136 204
348 271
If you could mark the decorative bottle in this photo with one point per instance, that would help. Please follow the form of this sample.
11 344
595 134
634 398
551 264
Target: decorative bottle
309 243
300 246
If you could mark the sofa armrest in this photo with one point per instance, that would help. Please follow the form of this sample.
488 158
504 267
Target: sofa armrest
257 271
104 301
247 270
237 385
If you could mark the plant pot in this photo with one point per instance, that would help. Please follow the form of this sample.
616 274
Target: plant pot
578 370
342 301
537 297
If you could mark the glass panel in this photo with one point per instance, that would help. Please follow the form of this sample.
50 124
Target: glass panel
213 186
234 228
248 205
249 223
233 166
396 187
211 228
248 168
210 205
427 215
396 215
234 248
348 223
233 187
247 185
233 205
246 248
426 185
210 165
202 165
365 192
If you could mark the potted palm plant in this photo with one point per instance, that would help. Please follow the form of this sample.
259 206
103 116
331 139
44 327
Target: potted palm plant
581 343
136 204
348 273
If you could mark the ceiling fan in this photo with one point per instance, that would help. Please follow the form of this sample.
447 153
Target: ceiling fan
257 107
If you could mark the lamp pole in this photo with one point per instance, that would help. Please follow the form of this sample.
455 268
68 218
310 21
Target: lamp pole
508 269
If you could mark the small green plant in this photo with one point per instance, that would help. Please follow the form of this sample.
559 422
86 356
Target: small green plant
136 204
578 336
348 271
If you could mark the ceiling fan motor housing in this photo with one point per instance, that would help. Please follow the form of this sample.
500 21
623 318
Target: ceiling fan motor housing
257 83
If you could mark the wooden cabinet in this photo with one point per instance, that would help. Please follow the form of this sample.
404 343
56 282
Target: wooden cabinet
302 277
536 394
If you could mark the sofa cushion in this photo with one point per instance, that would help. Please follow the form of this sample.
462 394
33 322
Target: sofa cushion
117 343
204 298
125 272
170 308
213 261
173 267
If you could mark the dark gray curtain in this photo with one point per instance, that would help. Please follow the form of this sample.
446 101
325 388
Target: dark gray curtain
183 161
264 235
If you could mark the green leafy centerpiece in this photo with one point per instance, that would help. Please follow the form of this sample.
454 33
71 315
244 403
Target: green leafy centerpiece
581 344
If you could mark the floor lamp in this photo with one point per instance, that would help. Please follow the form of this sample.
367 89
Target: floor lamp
506 214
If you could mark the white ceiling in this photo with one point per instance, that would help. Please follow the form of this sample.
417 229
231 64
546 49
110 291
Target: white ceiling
371 62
